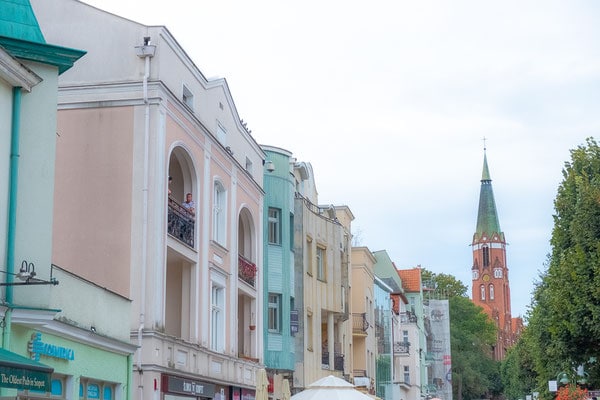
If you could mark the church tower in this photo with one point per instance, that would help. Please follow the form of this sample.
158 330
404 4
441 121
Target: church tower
490 286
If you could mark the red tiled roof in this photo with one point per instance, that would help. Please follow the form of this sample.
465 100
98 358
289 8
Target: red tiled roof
411 279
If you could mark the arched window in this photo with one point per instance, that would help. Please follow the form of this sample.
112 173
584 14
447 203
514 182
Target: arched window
219 214
491 292
482 290
486 256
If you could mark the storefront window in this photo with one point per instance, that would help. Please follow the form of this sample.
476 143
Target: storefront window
57 387
93 390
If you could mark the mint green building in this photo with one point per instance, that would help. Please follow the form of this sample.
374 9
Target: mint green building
280 315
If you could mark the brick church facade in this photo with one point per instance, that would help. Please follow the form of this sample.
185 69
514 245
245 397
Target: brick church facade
490 283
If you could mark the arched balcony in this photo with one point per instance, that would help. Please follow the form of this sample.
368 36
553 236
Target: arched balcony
181 225
247 275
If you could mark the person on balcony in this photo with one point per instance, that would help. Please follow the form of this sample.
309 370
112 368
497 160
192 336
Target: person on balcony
189 204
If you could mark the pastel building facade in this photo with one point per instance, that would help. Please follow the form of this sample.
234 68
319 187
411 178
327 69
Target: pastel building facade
364 340
322 274
279 308
50 346
139 128
415 365
403 381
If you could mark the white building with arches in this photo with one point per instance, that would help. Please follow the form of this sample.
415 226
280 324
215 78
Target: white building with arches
140 127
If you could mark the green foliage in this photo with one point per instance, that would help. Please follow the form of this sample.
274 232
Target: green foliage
444 286
472 335
573 279
517 372
563 329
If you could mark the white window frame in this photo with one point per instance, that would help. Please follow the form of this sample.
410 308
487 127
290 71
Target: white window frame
274 316
491 291
221 134
219 213
274 226
321 263
188 97
497 272
217 317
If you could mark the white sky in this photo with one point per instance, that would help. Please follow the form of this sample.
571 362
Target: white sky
390 99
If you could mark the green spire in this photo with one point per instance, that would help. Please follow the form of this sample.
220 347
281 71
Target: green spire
487 217
17 21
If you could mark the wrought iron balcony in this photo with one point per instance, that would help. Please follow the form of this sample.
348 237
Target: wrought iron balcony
246 271
408 318
359 323
180 222
401 347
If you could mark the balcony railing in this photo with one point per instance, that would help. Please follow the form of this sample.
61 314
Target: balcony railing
338 361
408 317
401 347
247 271
359 323
180 223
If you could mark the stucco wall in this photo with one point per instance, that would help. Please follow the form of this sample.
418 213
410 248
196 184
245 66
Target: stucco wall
93 210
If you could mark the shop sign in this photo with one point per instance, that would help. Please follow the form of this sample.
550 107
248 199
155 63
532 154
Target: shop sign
174 384
24 379
37 347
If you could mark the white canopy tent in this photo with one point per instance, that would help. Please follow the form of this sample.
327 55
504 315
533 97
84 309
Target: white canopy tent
331 388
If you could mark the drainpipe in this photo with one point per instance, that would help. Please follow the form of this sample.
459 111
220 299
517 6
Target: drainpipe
12 211
146 51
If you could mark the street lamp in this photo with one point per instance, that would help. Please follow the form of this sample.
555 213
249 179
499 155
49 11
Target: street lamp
562 378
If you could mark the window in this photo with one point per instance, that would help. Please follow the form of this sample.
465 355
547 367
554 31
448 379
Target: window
274 318
188 97
475 274
406 374
491 292
486 256
221 134
219 213
248 165
482 290
309 332
321 263
274 226
96 390
217 318
497 272
405 336
291 239
309 256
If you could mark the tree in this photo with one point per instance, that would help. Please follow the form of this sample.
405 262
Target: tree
573 279
444 286
472 336
517 372
563 329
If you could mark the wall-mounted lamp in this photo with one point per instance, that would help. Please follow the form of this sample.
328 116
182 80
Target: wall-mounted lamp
93 329
26 275
270 166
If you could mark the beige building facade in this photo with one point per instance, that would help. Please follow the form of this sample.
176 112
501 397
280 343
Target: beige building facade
364 344
323 269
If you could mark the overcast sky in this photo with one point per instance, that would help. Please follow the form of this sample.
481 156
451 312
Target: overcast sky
390 101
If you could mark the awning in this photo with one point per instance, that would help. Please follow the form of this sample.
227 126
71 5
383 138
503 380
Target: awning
23 373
